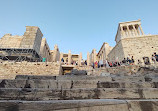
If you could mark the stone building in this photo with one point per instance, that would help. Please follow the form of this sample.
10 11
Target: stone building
104 51
19 48
71 58
28 47
100 56
131 41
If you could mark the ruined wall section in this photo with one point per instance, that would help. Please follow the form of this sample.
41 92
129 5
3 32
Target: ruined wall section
32 38
8 70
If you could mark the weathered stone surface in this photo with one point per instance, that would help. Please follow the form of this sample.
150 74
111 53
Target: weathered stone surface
80 105
78 72
68 94
69 84
9 70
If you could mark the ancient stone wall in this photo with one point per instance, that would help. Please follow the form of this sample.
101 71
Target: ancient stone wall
104 51
139 47
117 53
9 41
32 38
8 70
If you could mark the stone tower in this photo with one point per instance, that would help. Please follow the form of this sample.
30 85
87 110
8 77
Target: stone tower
32 39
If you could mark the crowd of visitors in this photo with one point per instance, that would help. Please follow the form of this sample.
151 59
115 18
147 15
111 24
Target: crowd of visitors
154 59
126 61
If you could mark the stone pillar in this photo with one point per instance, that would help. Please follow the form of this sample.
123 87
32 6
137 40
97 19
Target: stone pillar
122 32
141 29
88 59
80 59
135 30
128 31
94 55
69 58
138 30
61 56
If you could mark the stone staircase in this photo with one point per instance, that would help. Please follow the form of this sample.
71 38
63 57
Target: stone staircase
79 93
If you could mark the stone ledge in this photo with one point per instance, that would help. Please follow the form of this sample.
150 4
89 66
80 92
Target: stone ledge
80 105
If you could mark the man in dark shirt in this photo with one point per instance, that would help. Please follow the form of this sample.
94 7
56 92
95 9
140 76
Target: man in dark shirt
156 56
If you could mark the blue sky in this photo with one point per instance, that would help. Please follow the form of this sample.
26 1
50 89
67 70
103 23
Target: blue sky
76 25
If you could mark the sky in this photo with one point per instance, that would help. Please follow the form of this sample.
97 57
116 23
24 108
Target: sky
77 25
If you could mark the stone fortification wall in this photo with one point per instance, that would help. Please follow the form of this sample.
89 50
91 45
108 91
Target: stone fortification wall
8 70
117 53
139 47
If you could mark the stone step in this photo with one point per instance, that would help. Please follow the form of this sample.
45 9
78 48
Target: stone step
71 84
64 77
128 78
70 94
88 77
102 84
80 105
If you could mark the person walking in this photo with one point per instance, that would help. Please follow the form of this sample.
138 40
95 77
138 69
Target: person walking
153 59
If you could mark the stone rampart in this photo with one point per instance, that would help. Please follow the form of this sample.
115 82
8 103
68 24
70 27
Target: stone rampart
138 47
8 70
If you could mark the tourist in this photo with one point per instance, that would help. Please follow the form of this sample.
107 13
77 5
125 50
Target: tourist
93 65
101 63
62 60
96 64
132 60
146 60
153 59
124 61
139 62
85 62
76 63
156 56
128 60
110 64
107 64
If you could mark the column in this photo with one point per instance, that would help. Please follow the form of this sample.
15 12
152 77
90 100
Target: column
122 31
138 30
135 30
88 60
80 59
61 56
69 58
128 31
94 55
141 29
